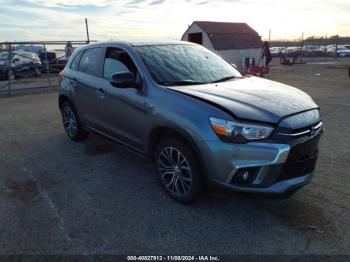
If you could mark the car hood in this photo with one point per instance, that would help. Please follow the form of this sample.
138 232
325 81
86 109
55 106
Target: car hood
253 98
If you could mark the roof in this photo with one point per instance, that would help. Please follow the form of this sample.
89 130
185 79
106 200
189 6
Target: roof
143 43
226 36
139 43
128 44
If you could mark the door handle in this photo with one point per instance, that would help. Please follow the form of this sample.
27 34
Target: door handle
100 92
148 106
73 82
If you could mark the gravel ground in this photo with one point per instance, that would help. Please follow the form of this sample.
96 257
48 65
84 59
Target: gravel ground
60 197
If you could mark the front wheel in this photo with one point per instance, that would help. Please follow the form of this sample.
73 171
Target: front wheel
179 171
71 123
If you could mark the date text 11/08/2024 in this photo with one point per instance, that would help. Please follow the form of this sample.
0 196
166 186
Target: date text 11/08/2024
173 258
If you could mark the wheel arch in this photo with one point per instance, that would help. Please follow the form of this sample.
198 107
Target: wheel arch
160 132
61 99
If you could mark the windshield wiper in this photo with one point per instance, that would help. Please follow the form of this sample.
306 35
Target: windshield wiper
180 83
224 79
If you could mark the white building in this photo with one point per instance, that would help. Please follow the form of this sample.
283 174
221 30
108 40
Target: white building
235 42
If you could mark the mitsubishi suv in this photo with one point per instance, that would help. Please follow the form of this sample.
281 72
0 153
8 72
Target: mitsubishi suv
194 115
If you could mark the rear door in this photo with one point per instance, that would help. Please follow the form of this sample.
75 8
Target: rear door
83 83
121 110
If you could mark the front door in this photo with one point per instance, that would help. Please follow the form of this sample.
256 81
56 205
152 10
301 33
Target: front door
121 110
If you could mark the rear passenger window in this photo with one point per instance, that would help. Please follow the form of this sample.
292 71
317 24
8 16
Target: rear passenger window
75 63
116 61
89 61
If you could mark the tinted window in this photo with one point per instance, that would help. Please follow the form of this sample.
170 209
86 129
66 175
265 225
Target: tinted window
75 63
183 62
89 61
116 61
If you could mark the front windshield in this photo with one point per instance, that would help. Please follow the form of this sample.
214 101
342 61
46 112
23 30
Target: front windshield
181 64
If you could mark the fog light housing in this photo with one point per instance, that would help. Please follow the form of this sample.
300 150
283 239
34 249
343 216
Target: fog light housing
244 176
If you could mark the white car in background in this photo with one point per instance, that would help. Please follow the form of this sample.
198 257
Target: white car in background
342 50
343 53
277 51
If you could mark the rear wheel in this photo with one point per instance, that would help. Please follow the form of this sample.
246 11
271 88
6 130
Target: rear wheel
178 170
71 123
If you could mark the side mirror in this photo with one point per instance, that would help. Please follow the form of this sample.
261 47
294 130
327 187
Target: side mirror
124 80
15 60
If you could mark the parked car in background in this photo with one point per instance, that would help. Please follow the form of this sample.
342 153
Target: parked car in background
48 60
51 61
331 50
277 51
61 62
194 115
22 64
340 50
313 50
293 52
343 53
29 48
4 56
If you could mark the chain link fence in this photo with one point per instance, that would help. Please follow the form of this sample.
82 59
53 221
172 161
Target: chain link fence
28 66
312 49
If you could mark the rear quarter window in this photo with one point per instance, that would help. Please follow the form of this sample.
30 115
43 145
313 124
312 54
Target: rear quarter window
89 61
75 63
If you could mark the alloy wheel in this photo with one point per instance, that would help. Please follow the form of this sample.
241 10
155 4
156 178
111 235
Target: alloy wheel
175 171
69 121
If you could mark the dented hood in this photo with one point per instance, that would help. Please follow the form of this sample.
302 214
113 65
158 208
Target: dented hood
253 98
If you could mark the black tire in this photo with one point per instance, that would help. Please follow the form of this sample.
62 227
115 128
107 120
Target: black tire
71 123
181 190
37 71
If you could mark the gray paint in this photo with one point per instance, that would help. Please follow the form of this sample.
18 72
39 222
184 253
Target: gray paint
131 115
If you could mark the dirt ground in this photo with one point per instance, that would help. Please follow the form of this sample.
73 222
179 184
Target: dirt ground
60 197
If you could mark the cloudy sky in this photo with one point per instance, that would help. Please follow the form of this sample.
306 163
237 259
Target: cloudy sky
166 19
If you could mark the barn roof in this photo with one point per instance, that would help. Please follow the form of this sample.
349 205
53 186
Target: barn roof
226 36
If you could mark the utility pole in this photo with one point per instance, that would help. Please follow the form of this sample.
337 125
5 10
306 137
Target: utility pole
269 36
301 48
325 48
336 46
87 31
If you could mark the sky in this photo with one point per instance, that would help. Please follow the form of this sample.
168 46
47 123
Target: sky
27 20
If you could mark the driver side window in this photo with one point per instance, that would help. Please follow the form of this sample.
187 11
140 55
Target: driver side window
116 61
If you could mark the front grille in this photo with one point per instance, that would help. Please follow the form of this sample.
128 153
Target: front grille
310 130
299 167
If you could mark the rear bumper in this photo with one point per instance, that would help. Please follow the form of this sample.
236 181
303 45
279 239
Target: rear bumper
272 167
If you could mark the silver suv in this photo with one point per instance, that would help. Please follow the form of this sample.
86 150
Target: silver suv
194 115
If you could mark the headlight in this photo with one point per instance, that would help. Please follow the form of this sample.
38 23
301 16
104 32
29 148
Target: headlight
239 132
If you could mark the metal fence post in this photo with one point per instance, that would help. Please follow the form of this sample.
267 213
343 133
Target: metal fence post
47 68
9 69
